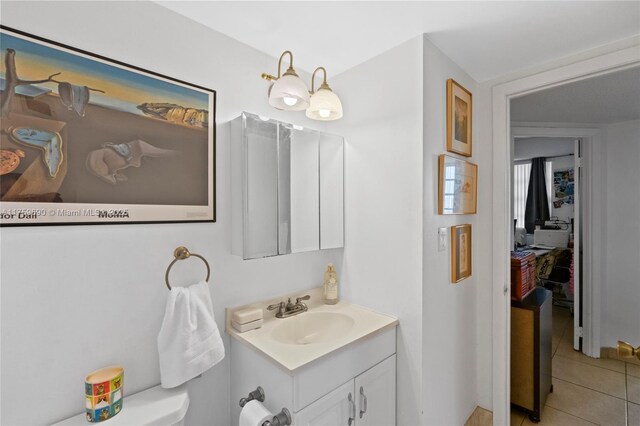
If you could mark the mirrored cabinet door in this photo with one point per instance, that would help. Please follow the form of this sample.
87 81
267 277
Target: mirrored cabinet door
261 189
299 189
287 186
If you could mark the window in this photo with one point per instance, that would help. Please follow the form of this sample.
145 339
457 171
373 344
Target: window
449 188
521 175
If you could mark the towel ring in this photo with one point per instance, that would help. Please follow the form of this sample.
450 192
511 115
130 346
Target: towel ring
182 253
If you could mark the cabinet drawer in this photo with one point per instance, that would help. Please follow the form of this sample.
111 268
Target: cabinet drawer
321 377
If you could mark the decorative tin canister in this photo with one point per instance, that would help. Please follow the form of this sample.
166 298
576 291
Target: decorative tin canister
104 393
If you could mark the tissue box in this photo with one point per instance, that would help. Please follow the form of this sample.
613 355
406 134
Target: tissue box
104 393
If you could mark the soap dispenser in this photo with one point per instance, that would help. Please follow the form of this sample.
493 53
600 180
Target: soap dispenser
330 286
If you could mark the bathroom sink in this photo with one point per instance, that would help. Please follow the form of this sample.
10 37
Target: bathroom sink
313 327
304 338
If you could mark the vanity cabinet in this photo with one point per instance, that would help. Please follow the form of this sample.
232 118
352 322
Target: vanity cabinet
367 400
317 393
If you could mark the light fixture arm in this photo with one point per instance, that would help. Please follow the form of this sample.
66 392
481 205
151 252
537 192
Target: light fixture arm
289 71
324 84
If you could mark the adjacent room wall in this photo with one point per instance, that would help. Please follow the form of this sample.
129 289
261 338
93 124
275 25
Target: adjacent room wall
528 148
449 376
382 125
76 298
558 148
621 287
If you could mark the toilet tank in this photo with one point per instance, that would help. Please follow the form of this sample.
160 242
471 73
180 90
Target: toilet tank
154 406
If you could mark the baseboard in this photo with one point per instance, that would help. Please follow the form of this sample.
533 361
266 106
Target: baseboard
480 417
606 352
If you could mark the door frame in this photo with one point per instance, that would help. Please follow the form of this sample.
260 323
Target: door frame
591 217
501 126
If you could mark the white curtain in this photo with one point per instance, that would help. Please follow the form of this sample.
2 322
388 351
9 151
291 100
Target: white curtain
548 177
521 175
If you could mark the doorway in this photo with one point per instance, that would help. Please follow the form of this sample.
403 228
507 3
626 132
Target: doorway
546 262
502 97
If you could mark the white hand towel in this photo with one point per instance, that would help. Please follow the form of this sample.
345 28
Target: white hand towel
189 342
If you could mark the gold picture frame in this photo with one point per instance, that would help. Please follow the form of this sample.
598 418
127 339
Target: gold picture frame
457 186
461 252
459 119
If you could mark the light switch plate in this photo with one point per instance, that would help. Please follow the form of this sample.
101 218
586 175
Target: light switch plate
442 239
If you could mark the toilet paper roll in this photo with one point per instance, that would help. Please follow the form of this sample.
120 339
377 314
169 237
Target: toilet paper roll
254 414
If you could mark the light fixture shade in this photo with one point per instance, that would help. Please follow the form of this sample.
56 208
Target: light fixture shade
289 93
325 106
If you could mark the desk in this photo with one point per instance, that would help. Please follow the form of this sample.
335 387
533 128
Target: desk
538 251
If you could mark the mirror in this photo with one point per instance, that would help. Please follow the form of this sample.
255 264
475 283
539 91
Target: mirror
288 188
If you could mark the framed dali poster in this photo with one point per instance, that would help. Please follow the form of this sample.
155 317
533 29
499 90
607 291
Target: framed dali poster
460 252
459 119
90 140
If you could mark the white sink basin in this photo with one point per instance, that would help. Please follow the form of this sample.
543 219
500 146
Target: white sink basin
312 327
304 338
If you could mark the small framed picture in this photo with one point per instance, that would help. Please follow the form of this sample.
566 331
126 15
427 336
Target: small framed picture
459 117
460 252
457 186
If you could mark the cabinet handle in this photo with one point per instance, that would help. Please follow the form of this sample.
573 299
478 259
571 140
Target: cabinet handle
352 410
363 402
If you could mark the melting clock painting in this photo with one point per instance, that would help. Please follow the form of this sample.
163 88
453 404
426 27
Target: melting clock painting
90 140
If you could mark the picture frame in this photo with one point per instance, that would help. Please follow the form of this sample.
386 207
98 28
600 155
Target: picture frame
459 119
91 140
457 186
461 252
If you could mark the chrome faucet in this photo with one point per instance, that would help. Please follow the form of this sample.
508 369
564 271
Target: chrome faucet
289 308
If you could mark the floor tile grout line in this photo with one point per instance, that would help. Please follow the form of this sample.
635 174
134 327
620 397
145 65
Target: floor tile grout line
564 330
626 367
590 365
591 389
573 415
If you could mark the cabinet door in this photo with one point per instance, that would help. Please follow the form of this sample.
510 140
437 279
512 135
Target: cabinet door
376 395
337 408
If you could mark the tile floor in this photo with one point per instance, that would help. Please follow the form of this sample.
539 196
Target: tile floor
586 391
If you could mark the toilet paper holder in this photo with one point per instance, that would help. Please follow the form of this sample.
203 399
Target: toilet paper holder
283 418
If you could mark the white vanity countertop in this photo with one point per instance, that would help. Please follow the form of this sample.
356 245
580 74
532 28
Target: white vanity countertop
293 356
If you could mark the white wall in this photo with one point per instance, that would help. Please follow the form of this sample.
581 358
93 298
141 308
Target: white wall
78 298
621 287
382 125
394 133
449 310
528 148
559 148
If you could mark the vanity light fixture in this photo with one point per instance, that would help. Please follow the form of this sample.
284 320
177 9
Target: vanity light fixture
325 105
288 92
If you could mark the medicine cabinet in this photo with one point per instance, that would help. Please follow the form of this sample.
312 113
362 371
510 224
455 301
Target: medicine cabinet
287 188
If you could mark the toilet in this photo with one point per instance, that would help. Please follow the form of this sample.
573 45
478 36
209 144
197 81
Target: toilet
154 406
